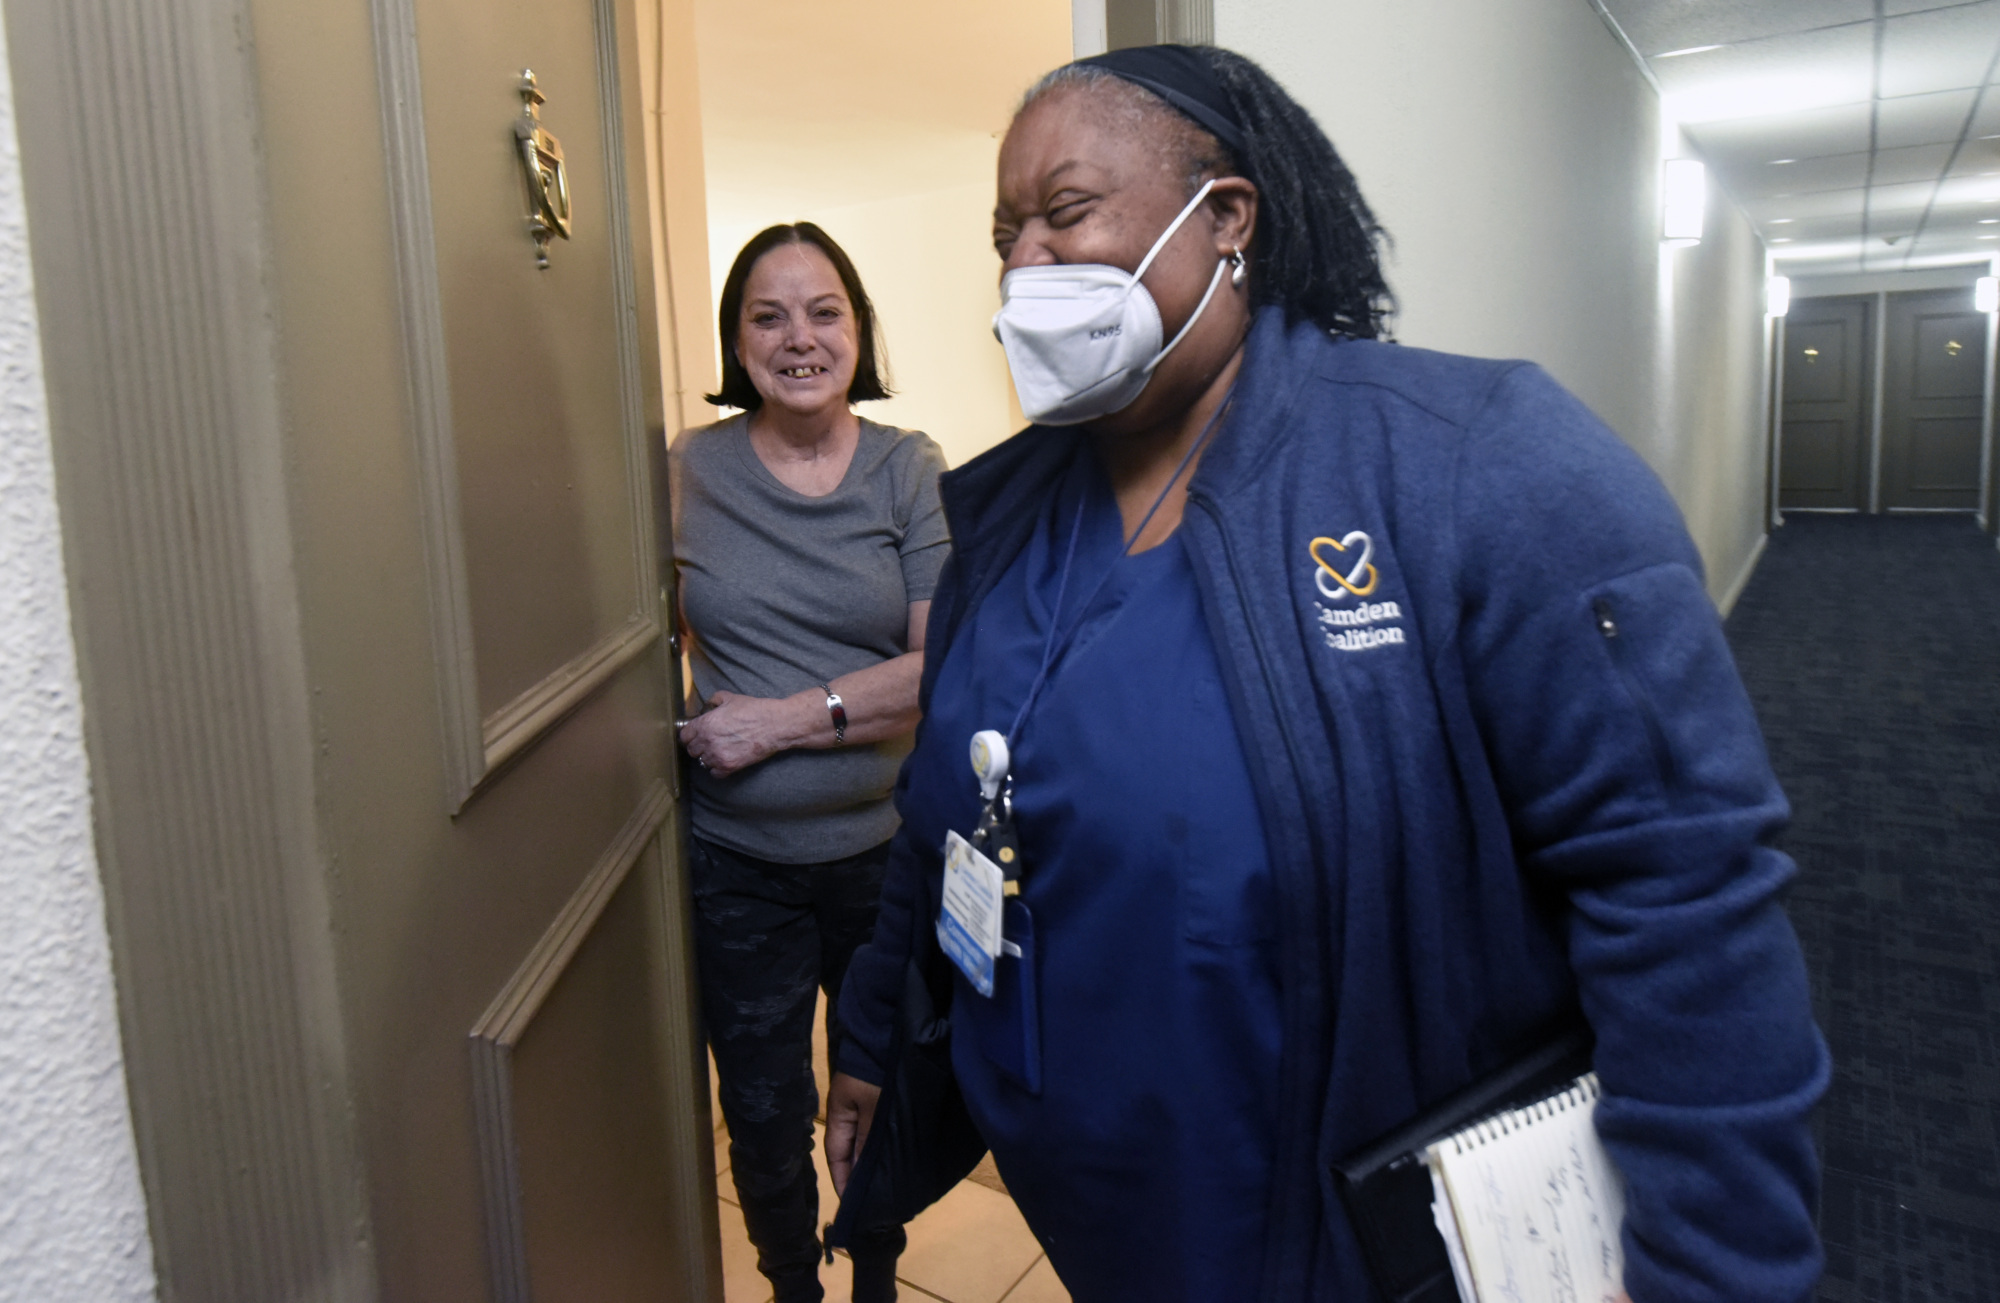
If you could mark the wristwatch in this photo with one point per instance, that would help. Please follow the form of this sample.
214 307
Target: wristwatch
838 712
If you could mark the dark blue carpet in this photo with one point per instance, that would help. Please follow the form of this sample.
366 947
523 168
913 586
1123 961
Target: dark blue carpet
1871 646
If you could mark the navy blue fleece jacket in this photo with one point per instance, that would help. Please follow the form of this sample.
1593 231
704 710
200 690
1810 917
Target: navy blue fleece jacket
1516 773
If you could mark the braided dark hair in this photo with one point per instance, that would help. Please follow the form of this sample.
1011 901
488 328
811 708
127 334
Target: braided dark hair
1316 251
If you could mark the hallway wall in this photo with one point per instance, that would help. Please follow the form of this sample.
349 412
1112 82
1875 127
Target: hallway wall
1512 149
72 1213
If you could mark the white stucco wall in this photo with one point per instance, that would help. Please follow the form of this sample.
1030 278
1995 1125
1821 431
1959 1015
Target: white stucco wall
72 1215
1512 149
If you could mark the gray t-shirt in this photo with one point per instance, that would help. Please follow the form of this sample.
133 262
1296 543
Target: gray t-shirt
784 592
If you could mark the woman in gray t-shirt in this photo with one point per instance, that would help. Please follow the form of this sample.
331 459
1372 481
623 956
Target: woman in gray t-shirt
807 542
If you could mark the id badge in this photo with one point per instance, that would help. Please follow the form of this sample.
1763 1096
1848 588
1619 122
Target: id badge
969 925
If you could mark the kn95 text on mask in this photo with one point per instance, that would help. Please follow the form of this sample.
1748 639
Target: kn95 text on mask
1082 340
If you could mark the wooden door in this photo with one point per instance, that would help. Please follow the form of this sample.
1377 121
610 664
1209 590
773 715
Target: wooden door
1934 388
1823 456
368 543
522 1047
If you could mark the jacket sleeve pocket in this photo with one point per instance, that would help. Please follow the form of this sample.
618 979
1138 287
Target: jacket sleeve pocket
1665 666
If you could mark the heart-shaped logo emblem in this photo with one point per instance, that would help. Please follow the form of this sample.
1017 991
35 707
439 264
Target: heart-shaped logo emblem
1340 580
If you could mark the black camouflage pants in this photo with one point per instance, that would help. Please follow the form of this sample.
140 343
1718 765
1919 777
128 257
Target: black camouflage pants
768 937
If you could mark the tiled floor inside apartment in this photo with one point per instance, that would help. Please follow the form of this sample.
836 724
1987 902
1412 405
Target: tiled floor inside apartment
971 1247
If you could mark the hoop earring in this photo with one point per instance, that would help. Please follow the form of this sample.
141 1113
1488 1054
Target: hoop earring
1239 271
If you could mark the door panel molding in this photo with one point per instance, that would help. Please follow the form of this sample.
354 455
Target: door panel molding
429 398
499 1033
476 746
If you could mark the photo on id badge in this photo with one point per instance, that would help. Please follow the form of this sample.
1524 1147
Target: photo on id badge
969 923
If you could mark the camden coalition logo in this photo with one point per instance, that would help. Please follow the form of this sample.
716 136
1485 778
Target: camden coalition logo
1344 571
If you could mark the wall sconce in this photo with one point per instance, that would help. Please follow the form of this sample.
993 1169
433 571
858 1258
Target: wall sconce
1778 295
1986 294
1684 195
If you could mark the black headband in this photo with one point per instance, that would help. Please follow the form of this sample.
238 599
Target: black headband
1181 77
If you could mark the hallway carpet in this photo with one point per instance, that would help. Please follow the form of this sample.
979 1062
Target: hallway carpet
1871 646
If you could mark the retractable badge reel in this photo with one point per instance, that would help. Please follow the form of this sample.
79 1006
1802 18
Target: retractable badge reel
994 836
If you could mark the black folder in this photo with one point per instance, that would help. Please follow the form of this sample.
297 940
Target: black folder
1387 1187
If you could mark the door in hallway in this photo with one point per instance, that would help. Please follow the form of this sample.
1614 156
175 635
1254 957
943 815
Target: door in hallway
1823 460
1934 384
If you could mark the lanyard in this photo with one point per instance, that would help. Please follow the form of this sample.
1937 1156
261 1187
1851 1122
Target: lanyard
1058 639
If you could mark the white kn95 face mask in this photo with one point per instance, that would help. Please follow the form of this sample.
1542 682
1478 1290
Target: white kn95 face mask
1082 340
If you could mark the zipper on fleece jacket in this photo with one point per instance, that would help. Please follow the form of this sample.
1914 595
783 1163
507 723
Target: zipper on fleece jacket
1284 1274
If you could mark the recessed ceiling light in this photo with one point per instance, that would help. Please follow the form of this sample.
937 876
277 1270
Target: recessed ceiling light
1989 221
1780 162
1996 137
1783 239
1989 237
1780 221
1692 49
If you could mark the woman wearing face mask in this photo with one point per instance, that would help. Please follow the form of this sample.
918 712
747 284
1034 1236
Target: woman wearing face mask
1345 717
807 542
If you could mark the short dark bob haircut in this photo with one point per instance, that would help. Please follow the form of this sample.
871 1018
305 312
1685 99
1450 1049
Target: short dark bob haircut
1316 251
736 389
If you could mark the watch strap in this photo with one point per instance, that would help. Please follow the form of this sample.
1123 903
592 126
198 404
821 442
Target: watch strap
837 711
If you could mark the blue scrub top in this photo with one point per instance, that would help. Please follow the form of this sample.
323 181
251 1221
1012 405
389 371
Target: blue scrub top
1144 1162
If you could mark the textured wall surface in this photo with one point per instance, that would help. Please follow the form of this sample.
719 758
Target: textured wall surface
1512 149
72 1215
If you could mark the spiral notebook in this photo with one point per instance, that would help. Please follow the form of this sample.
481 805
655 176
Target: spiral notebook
1528 1204
1519 1190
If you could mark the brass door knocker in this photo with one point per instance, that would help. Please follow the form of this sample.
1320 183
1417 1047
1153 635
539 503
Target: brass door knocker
548 180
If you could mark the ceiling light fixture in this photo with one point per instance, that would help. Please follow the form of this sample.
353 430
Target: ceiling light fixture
1783 239
1780 162
1781 221
1684 195
1692 49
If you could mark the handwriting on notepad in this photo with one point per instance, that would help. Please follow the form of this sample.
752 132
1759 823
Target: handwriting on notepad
1537 1204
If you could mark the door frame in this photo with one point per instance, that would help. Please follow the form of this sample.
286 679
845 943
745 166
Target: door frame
1984 515
1774 368
151 243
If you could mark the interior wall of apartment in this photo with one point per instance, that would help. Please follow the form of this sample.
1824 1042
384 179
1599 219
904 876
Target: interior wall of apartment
1512 149
926 260
880 120
72 1212
674 181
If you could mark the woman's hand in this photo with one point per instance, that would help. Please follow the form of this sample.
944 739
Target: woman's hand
736 731
850 1111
